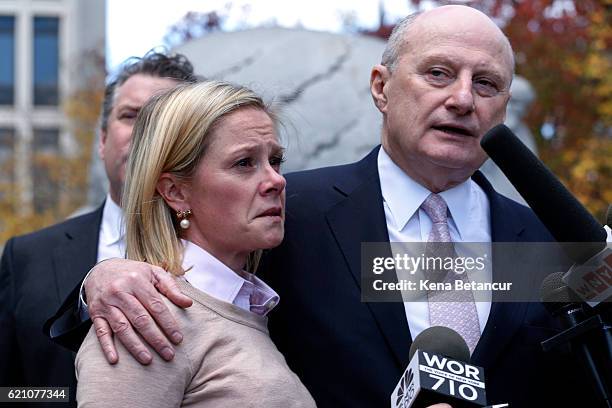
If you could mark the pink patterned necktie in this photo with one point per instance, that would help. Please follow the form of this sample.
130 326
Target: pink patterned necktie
453 309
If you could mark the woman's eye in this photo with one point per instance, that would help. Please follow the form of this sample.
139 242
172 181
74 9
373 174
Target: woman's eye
246 162
277 160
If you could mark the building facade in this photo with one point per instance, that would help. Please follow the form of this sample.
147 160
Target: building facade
44 47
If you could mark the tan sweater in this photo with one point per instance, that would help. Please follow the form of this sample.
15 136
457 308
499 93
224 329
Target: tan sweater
225 360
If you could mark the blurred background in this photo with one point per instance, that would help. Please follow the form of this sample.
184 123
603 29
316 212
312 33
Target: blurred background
312 59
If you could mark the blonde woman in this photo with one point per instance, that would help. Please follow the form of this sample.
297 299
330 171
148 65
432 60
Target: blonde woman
203 196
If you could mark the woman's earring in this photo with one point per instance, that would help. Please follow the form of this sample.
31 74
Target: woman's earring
183 216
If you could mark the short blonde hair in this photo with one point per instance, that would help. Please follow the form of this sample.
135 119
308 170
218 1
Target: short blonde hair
171 135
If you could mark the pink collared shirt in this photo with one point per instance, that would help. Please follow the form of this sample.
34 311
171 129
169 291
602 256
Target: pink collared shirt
208 274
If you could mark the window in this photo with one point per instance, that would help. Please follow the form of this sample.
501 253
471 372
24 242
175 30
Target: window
7 151
45 176
7 60
46 141
46 60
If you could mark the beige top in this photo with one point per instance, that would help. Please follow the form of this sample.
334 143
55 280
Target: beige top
225 360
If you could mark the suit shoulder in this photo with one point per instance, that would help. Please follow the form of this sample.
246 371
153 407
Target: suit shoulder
88 220
317 189
316 179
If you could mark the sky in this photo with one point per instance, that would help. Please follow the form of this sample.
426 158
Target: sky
133 27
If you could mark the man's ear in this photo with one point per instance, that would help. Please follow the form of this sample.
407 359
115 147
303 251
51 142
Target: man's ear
508 98
378 79
101 144
173 191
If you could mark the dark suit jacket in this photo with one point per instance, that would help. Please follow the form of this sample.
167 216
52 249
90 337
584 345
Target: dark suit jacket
351 354
37 272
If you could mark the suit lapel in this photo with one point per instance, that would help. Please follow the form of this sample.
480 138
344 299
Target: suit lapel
359 217
505 317
77 253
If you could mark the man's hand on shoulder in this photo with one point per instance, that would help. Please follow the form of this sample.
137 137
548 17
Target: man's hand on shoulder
124 298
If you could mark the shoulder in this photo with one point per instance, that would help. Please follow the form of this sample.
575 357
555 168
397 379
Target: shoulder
317 179
325 176
128 383
57 231
208 310
324 186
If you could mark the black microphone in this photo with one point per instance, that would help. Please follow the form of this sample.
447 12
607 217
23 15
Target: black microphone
438 373
563 215
579 234
587 333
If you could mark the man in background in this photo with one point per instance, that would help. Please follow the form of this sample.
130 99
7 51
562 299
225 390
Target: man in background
38 270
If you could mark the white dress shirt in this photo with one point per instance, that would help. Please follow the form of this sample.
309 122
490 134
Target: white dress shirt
245 290
469 221
111 242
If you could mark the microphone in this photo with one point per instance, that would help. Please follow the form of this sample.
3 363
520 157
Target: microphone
438 373
566 219
609 216
588 334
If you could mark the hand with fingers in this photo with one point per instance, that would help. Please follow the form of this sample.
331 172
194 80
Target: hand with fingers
124 298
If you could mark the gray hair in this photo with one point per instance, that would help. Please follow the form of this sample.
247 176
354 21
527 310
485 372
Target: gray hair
396 41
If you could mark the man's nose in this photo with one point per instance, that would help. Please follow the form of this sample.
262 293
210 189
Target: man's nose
461 97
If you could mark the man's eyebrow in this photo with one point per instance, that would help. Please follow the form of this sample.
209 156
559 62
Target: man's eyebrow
436 58
128 106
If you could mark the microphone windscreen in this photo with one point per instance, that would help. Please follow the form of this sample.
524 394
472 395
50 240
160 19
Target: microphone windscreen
443 341
563 215
555 293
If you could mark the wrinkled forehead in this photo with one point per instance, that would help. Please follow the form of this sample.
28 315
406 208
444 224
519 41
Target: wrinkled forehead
139 88
460 28
248 125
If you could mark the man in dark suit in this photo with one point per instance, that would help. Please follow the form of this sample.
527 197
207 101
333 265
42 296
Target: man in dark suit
352 353
38 270
443 81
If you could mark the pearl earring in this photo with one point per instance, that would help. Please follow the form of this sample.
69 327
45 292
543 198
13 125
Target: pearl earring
183 216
